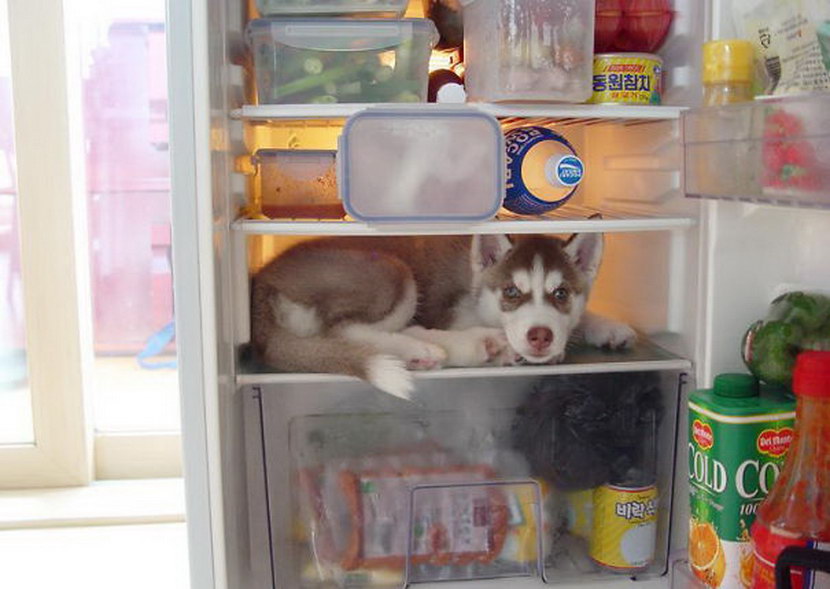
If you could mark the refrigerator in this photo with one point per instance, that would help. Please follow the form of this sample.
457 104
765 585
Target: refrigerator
696 247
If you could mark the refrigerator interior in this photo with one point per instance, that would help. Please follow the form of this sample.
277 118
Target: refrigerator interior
688 274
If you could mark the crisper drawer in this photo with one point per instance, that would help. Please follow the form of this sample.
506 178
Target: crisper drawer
564 479
770 151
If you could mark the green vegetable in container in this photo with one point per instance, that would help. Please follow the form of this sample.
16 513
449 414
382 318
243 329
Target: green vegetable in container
795 321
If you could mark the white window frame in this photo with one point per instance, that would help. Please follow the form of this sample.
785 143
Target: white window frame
54 262
52 206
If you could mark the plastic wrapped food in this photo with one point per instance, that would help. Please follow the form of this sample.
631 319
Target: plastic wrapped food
795 321
580 432
358 475
788 36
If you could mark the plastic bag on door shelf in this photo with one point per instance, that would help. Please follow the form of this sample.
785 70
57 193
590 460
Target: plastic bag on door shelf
354 485
789 36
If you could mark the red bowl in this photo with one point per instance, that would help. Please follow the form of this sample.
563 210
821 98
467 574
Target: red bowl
642 25
645 25
609 20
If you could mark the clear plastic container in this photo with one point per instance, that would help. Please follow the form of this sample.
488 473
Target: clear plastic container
296 184
326 61
422 164
771 151
390 8
539 50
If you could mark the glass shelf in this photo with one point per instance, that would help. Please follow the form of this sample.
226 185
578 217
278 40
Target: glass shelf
581 359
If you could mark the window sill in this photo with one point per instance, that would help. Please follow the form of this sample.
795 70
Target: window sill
101 503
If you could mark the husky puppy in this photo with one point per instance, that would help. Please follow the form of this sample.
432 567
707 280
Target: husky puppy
376 308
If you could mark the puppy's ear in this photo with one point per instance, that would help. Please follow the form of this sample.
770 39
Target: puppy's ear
488 250
585 250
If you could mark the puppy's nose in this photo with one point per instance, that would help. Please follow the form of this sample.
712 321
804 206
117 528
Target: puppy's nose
539 338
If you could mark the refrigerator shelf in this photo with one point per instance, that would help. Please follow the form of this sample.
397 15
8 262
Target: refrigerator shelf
569 219
567 113
645 356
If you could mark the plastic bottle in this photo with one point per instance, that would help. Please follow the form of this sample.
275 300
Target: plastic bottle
797 510
727 72
543 170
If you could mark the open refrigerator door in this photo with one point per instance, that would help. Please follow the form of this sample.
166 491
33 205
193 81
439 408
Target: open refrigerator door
302 479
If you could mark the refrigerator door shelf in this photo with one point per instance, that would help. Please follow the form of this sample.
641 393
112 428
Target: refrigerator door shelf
773 151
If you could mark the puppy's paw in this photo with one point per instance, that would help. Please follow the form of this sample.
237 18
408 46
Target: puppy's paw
607 333
390 375
476 346
425 356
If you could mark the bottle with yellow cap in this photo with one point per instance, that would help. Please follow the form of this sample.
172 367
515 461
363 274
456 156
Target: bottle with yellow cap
727 72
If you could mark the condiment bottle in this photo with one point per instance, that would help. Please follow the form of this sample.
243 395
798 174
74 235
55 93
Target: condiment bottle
727 72
797 510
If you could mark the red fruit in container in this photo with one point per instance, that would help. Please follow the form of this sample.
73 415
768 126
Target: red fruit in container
609 17
645 25
773 156
782 124
799 153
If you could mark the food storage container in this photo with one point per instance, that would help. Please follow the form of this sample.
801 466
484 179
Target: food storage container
305 61
539 50
421 164
391 8
294 183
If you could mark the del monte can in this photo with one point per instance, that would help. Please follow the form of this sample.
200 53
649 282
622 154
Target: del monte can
739 433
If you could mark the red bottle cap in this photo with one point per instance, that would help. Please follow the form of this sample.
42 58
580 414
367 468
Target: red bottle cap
811 377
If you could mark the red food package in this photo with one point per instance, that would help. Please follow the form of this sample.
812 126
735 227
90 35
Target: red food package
360 517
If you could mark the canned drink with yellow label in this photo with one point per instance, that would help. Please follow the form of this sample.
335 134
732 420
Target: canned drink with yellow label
624 529
627 78
580 508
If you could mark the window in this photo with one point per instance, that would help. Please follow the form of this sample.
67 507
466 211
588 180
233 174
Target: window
92 267
15 401
123 76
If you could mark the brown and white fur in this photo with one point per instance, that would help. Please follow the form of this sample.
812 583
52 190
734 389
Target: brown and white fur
377 307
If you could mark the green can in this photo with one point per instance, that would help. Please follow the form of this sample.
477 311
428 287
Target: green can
739 433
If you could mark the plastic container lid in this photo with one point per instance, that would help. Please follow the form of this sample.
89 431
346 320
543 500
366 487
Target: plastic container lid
728 60
427 163
331 34
331 7
811 377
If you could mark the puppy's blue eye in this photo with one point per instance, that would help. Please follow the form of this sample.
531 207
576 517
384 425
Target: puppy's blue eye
561 294
511 292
